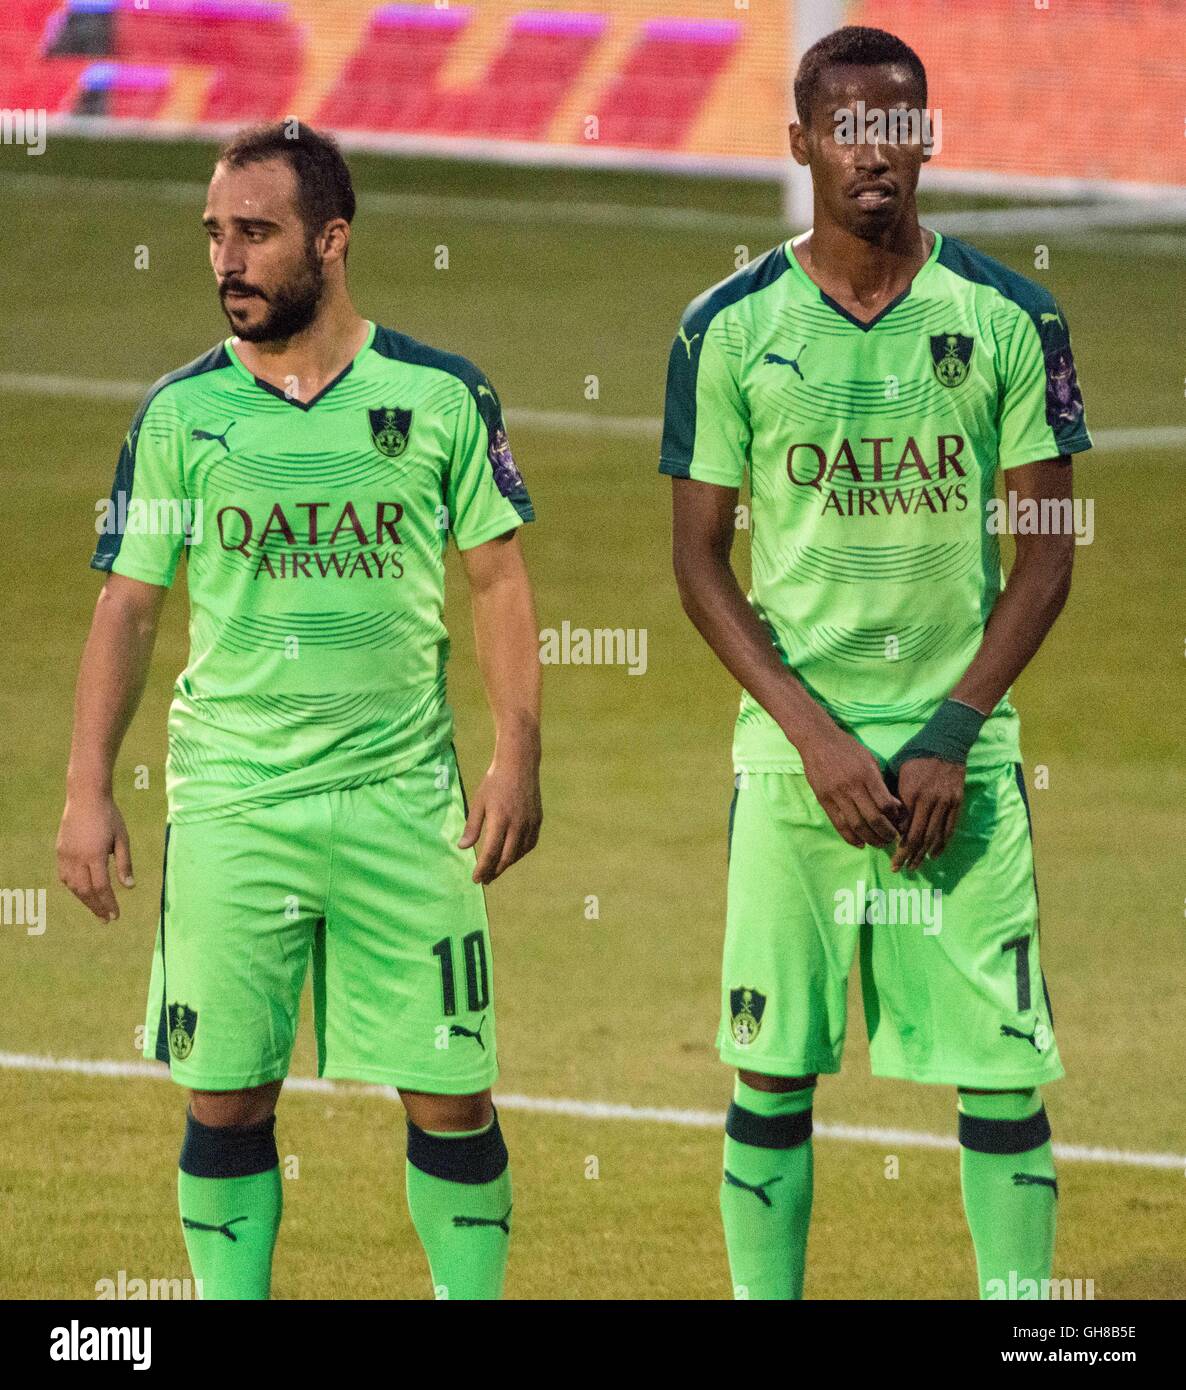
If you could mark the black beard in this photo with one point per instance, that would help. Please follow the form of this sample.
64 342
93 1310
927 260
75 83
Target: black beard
290 310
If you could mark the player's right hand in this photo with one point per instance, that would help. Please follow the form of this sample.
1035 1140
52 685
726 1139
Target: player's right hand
848 784
92 830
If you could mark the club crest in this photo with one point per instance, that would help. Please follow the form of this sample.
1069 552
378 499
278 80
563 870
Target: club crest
950 354
746 1007
390 430
183 1024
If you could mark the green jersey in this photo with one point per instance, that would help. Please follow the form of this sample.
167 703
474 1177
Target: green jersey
872 451
314 534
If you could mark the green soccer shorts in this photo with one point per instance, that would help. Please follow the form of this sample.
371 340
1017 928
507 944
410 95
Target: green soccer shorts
369 883
950 977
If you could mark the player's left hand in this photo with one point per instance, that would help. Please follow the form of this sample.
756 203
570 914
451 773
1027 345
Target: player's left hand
508 809
932 791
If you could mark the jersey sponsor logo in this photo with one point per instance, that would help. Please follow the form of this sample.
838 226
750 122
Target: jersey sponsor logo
856 481
1064 403
346 549
951 353
390 429
746 1007
772 359
507 477
198 435
183 1024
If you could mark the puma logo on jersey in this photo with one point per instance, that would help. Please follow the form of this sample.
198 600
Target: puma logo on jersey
485 391
687 342
224 1229
758 1189
773 359
1031 1038
457 1030
221 438
502 1222
1052 318
1035 1180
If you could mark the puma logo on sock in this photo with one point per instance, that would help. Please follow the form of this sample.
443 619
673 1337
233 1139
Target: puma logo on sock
225 1228
757 1190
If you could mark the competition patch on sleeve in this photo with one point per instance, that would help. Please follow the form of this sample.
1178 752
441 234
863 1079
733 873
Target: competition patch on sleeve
1064 403
506 476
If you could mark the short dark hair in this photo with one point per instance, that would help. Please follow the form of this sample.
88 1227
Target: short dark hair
859 45
324 186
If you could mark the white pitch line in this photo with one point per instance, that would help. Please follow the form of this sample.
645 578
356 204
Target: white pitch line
589 422
596 1110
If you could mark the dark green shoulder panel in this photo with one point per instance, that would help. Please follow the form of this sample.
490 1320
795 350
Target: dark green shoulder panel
968 263
1064 401
125 470
400 348
683 364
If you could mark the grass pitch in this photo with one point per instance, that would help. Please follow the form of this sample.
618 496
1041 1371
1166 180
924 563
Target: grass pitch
636 770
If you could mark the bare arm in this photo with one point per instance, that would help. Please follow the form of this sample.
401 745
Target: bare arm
507 803
111 680
842 773
1037 588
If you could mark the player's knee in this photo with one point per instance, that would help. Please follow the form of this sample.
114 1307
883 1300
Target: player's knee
222 1109
448 1114
758 1082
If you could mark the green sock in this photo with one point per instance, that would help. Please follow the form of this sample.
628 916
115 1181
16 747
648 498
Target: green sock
228 1190
766 1190
459 1194
1010 1191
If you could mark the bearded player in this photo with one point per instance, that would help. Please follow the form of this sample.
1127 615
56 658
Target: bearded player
873 376
316 464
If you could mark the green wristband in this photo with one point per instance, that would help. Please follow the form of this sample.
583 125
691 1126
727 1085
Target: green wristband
948 734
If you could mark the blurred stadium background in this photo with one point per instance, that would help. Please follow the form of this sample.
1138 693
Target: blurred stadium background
589 170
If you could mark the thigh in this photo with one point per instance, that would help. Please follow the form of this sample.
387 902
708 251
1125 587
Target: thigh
240 901
953 985
789 941
406 992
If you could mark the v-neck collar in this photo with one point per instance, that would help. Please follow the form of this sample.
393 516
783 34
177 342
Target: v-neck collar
240 366
863 324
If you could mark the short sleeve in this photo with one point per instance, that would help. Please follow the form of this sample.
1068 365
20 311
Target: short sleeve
485 492
144 525
706 425
1042 408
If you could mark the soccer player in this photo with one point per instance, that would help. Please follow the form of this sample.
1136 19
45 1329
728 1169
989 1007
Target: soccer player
873 376
312 467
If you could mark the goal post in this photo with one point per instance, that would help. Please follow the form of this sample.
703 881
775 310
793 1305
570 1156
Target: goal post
807 21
